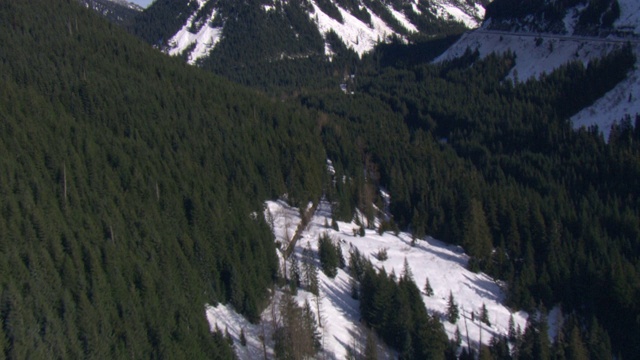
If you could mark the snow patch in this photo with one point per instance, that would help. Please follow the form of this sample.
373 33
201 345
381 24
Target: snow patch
470 16
443 264
629 15
622 100
206 38
353 32
402 19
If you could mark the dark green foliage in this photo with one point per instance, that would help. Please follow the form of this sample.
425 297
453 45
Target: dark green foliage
310 271
334 224
476 237
456 145
130 186
453 314
272 49
162 19
243 338
600 13
484 315
428 290
296 336
329 256
398 315
330 9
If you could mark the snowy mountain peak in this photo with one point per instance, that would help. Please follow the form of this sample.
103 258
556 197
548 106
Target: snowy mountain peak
360 24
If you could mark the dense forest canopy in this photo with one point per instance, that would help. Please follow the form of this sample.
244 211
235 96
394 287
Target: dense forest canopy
474 159
131 184
128 180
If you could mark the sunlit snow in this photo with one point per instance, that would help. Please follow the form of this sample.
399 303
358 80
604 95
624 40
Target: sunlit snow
444 265
205 39
353 32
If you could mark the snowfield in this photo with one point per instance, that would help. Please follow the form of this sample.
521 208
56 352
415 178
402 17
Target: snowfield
444 265
206 38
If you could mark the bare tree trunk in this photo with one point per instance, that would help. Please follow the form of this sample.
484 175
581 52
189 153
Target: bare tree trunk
467 330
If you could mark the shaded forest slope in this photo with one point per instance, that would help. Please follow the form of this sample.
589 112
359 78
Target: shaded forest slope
127 184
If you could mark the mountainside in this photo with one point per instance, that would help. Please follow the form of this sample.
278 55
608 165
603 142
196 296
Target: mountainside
132 187
594 17
127 184
545 35
359 24
120 12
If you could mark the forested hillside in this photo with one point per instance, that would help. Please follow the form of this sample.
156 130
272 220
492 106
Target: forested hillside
473 159
130 184
133 185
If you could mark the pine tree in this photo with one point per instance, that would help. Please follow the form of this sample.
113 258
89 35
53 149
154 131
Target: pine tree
453 313
334 224
512 336
428 290
294 270
371 346
484 315
477 237
243 338
313 280
227 336
311 326
328 254
407 274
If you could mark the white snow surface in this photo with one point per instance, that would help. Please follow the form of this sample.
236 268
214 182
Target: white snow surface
206 38
353 32
402 19
470 16
444 265
629 15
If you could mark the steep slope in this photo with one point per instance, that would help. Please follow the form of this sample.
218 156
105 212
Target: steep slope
120 12
342 331
359 24
545 35
128 180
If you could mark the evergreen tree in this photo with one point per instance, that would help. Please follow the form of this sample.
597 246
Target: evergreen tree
511 333
329 257
371 346
334 224
477 237
311 326
294 270
428 290
243 338
453 313
484 315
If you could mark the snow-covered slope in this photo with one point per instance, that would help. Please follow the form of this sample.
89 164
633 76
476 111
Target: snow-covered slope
355 33
444 265
198 44
538 53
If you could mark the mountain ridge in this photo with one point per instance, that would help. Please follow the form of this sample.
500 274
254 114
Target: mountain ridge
360 24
